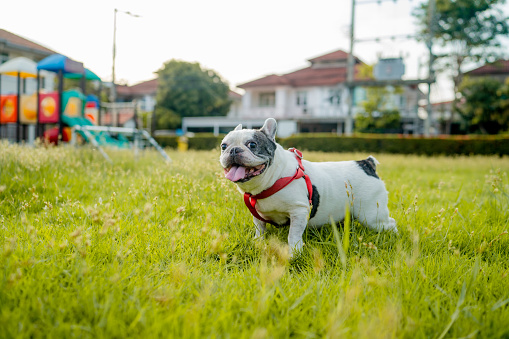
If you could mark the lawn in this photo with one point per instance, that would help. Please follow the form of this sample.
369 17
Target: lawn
140 248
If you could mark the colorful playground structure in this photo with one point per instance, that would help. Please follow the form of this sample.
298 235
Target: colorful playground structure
60 115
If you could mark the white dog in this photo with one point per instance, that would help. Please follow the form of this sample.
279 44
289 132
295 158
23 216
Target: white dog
281 189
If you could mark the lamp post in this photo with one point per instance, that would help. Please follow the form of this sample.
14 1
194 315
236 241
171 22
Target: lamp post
113 96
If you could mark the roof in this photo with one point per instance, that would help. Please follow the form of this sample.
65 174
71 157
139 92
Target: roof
336 55
16 41
311 76
142 88
150 88
497 67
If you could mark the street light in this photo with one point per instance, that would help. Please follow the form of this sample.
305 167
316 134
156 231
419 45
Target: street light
113 96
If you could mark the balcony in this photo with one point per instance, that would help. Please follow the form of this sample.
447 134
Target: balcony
293 112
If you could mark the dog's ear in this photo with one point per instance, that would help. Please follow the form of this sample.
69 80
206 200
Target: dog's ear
269 128
238 128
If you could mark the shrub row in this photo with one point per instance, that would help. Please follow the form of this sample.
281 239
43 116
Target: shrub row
401 145
200 141
463 145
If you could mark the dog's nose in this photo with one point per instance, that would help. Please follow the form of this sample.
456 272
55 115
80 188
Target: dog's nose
236 150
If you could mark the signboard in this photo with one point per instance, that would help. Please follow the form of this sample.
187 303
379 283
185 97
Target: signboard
389 69
48 108
8 108
28 109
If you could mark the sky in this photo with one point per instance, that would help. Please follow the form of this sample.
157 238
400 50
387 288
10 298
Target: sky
240 40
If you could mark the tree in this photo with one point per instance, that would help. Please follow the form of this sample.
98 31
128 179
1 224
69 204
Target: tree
377 116
486 104
187 90
466 31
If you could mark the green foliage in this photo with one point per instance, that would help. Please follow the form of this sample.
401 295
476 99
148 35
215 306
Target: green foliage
143 249
395 144
377 116
167 119
466 30
187 90
378 122
202 141
486 104
399 144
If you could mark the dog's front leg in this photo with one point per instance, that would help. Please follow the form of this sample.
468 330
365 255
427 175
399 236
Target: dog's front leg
298 222
260 228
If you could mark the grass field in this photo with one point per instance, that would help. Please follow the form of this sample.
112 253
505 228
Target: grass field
145 249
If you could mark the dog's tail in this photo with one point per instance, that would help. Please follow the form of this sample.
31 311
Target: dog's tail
372 161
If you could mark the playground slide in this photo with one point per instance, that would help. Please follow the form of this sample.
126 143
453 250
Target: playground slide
102 138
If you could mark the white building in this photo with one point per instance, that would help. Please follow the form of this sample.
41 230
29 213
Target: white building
312 99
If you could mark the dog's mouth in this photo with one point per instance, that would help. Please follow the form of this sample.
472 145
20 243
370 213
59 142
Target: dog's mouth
238 173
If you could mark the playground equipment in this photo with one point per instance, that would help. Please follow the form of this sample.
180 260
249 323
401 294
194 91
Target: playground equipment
137 135
72 111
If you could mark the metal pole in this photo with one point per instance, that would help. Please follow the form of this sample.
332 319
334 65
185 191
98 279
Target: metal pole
38 109
60 105
113 95
431 15
350 75
18 109
99 104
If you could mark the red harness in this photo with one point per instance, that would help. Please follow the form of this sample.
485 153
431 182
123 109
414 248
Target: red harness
281 183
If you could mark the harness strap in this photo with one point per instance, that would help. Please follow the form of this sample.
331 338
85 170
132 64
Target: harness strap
250 200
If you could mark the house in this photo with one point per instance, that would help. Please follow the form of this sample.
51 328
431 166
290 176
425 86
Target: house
498 70
144 93
13 46
446 119
312 99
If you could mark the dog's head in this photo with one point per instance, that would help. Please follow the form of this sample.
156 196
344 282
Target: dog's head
247 153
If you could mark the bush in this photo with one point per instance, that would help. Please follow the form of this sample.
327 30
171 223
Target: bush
400 145
200 141
396 144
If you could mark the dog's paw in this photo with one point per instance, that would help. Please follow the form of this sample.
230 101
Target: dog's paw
296 250
391 226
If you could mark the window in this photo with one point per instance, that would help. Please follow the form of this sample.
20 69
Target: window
335 97
267 99
3 57
302 99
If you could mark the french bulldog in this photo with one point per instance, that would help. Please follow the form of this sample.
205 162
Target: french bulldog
254 162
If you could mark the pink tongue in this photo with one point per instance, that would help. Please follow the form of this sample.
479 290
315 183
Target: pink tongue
236 173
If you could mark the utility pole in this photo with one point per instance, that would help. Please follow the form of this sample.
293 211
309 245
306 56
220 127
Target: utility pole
431 75
113 94
350 75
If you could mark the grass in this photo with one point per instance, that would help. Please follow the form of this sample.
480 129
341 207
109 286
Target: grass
144 249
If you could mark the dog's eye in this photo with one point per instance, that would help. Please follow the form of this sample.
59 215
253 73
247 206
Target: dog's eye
223 147
252 145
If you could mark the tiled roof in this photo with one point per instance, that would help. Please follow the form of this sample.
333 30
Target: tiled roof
497 67
336 55
150 87
142 88
269 80
107 118
16 40
311 76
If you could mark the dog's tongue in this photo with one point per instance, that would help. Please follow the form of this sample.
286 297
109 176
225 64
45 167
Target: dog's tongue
236 173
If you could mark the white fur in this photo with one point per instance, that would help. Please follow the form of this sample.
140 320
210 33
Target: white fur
367 196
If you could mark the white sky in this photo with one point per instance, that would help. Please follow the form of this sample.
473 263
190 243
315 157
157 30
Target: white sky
241 40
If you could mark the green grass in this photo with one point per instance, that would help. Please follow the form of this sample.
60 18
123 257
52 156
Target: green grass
144 249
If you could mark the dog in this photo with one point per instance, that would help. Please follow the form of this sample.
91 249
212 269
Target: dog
256 163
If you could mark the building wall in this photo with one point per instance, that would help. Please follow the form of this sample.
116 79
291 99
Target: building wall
318 102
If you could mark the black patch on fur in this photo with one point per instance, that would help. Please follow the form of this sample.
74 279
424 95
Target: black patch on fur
265 147
316 201
368 166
